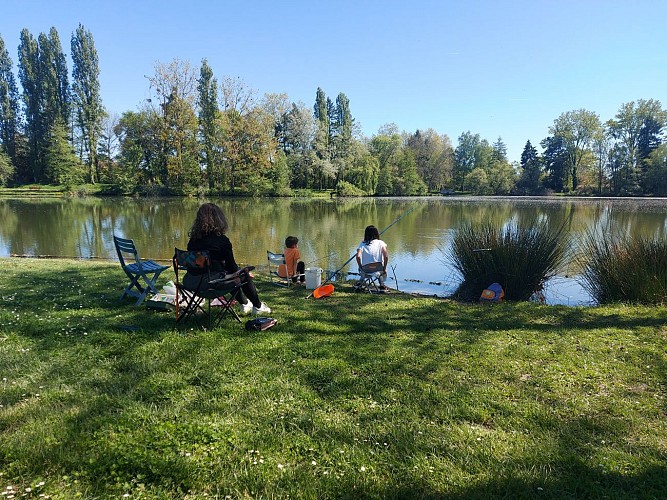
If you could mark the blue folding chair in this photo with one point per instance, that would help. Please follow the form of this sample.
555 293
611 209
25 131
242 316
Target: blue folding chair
137 269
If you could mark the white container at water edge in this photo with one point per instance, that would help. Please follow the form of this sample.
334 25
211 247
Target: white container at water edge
313 278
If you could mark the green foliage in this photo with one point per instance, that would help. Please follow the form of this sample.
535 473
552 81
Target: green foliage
6 168
529 178
62 165
364 170
408 182
576 131
434 156
346 189
502 178
617 268
279 176
656 170
9 103
520 258
29 77
357 397
207 100
86 96
477 181
471 152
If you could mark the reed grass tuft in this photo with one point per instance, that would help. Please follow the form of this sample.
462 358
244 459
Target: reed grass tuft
618 268
519 257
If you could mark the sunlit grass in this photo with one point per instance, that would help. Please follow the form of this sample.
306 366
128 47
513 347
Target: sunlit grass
356 395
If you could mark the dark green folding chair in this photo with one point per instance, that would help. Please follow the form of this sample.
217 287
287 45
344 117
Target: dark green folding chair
203 297
137 270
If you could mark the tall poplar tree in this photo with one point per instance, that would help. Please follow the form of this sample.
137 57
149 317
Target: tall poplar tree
43 75
86 97
207 100
321 145
9 104
342 134
30 82
53 79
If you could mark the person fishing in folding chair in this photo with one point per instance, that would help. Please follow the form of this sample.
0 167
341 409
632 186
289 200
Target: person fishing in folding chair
208 233
372 257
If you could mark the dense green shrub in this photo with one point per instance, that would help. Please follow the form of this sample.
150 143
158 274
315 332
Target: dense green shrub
520 258
618 268
347 189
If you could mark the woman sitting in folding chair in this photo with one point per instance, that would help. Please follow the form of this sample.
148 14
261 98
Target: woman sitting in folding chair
208 233
372 258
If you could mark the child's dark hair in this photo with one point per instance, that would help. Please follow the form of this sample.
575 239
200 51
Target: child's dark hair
291 241
371 233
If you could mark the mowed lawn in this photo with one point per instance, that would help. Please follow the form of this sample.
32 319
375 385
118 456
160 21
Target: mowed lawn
351 396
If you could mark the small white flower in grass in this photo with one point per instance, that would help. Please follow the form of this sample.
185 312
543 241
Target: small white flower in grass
280 466
313 462
362 469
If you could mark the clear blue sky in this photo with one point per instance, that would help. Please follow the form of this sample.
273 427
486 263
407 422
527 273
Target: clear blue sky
497 68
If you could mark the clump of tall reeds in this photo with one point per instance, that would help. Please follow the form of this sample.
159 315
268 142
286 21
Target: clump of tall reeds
619 268
519 257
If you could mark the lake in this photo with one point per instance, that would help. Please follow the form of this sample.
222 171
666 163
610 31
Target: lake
328 230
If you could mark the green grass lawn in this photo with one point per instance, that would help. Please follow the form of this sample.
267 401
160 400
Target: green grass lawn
352 396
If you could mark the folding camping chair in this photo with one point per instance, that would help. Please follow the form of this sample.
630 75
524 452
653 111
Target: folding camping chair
147 270
370 278
277 266
207 295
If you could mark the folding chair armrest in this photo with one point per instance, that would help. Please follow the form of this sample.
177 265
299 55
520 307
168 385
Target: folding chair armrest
235 278
227 280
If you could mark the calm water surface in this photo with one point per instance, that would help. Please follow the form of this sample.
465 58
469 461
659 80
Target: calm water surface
328 230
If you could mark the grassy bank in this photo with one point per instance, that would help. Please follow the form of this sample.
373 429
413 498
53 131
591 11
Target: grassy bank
352 396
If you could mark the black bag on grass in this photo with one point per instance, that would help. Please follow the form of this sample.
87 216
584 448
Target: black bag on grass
259 324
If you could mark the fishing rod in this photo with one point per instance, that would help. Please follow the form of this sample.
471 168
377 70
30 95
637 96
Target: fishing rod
332 275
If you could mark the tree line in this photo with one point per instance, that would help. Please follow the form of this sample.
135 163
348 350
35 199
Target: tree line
198 135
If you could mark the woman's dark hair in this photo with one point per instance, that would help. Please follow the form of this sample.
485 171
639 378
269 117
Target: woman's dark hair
371 233
209 220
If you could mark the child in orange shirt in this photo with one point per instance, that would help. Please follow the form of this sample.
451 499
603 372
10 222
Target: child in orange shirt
294 268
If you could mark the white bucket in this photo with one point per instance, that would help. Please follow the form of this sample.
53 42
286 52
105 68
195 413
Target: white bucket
313 278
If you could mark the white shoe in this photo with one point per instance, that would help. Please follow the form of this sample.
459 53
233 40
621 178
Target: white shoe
246 308
262 309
